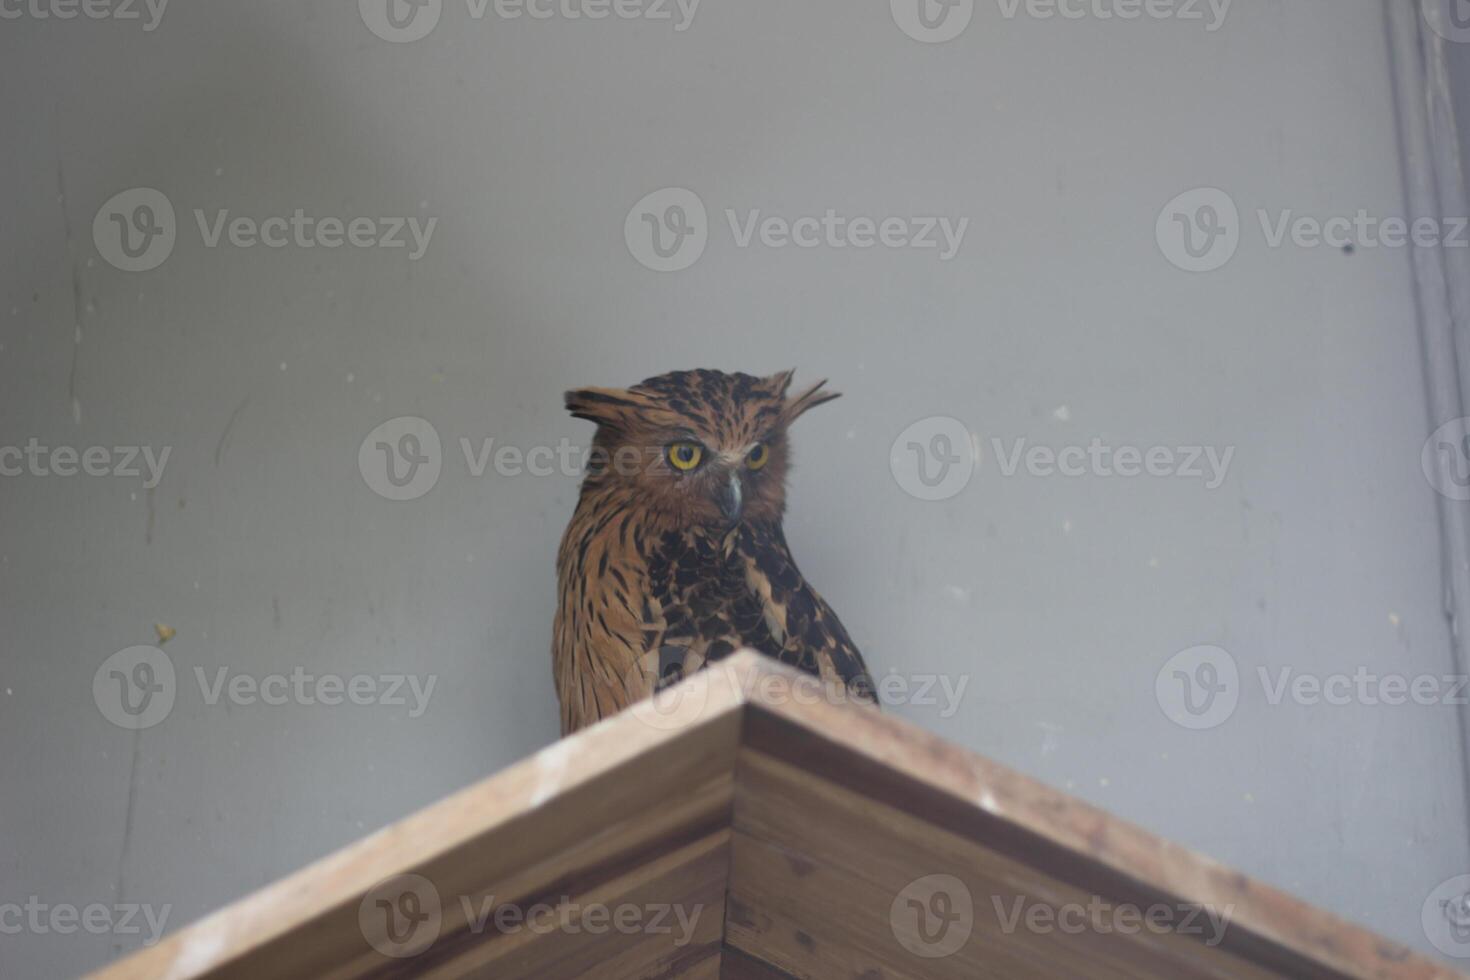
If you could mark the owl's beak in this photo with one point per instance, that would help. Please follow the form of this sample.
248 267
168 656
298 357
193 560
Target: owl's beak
732 498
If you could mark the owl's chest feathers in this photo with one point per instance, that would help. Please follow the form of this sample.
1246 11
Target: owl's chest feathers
632 574
608 544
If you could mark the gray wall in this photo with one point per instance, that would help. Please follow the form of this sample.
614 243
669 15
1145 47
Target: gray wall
1061 319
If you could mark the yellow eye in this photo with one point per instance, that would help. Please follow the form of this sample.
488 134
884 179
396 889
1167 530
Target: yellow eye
759 456
685 456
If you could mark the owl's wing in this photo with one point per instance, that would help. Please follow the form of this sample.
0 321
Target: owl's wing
627 627
608 621
807 631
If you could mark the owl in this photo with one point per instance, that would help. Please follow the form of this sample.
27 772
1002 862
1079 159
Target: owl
675 556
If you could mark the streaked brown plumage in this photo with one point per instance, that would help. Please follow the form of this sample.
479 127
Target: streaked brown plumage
667 566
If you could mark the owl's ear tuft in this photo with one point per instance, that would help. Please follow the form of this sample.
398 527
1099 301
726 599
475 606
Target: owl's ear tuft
605 406
779 382
809 399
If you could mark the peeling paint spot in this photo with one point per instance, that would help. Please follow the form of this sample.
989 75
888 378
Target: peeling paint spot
551 770
200 951
1050 738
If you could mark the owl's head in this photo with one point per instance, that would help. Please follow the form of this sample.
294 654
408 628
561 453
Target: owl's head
698 447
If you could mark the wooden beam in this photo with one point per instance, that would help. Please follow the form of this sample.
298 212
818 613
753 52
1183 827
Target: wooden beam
736 965
578 820
894 786
798 836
